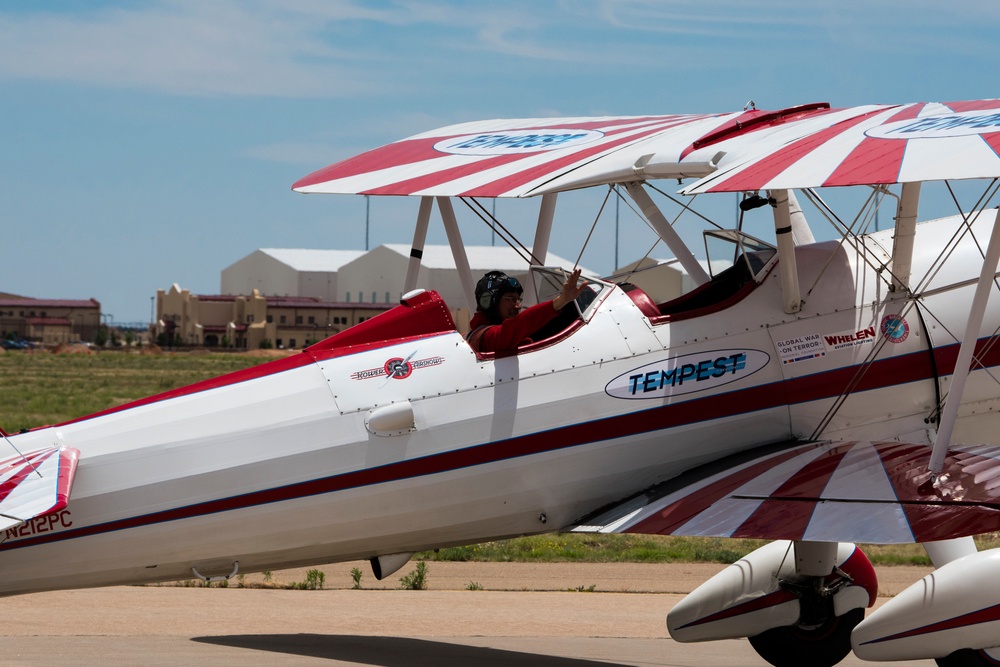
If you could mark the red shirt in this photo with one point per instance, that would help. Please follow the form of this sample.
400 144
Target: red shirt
513 332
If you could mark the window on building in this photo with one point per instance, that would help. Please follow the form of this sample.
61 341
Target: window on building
282 320
249 318
291 342
280 343
312 320
347 298
270 319
387 297
298 319
373 297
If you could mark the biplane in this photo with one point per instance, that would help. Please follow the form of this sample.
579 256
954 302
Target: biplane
818 394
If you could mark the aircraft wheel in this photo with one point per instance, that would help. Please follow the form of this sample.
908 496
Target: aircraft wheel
968 657
823 646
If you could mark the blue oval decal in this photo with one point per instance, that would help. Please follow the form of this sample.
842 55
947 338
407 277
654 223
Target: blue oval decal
515 142
687 374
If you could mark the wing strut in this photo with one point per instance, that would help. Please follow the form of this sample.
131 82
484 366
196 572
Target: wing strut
964 363
543 231
666 232
787 265
902 240
458 251
417 249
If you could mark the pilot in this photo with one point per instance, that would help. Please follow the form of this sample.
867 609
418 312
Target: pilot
499 324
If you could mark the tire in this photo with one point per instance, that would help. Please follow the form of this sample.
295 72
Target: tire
967 657
825 646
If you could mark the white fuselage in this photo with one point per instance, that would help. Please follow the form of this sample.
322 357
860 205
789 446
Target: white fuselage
282 468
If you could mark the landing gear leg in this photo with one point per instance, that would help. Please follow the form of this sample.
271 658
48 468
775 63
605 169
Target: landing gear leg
822 645
820 638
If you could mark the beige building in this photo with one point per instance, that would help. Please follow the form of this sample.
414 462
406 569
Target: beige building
287 272
49 321
252 321
380 273
375 277
293 297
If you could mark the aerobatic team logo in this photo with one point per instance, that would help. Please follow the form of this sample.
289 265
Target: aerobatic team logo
396 368
939 126
514 142
895 328
687 374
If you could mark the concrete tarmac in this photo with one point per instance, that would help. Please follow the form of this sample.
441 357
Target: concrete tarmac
446 625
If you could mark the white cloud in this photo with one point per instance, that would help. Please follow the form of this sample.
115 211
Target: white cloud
190 48
352 49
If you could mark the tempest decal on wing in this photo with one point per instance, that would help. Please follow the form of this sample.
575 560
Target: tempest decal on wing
517 141
936 127
687 374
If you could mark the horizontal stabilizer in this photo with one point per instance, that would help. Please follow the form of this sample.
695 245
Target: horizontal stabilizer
832 491
35 484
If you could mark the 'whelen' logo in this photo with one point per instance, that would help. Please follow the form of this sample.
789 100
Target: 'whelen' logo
936 127
687 374
514 142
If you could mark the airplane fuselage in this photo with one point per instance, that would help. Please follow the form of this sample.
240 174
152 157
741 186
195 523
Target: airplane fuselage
399 444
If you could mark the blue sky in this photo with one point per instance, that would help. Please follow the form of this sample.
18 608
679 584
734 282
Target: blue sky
147 143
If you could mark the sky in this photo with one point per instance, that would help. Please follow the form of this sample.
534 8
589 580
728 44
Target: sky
147 143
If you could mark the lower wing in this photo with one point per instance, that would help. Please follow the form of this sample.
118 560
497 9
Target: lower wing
870 492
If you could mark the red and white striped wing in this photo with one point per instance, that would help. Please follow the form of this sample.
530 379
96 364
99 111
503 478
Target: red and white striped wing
498 158
909 143
35 484
870 492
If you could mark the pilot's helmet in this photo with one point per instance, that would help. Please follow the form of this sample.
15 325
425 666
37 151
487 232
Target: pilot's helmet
492 287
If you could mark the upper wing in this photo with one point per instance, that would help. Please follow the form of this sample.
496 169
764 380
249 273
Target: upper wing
806 146
871 492
909 143
35 484
497 158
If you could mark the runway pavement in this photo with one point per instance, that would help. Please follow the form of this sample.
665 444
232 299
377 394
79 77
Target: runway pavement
383 628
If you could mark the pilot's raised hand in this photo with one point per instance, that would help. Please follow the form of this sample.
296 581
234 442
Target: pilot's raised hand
570 290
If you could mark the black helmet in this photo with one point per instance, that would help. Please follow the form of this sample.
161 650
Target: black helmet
492 286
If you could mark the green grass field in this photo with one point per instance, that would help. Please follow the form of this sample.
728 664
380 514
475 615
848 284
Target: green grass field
41 388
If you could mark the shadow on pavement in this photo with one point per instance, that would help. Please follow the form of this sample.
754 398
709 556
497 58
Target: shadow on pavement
393 651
